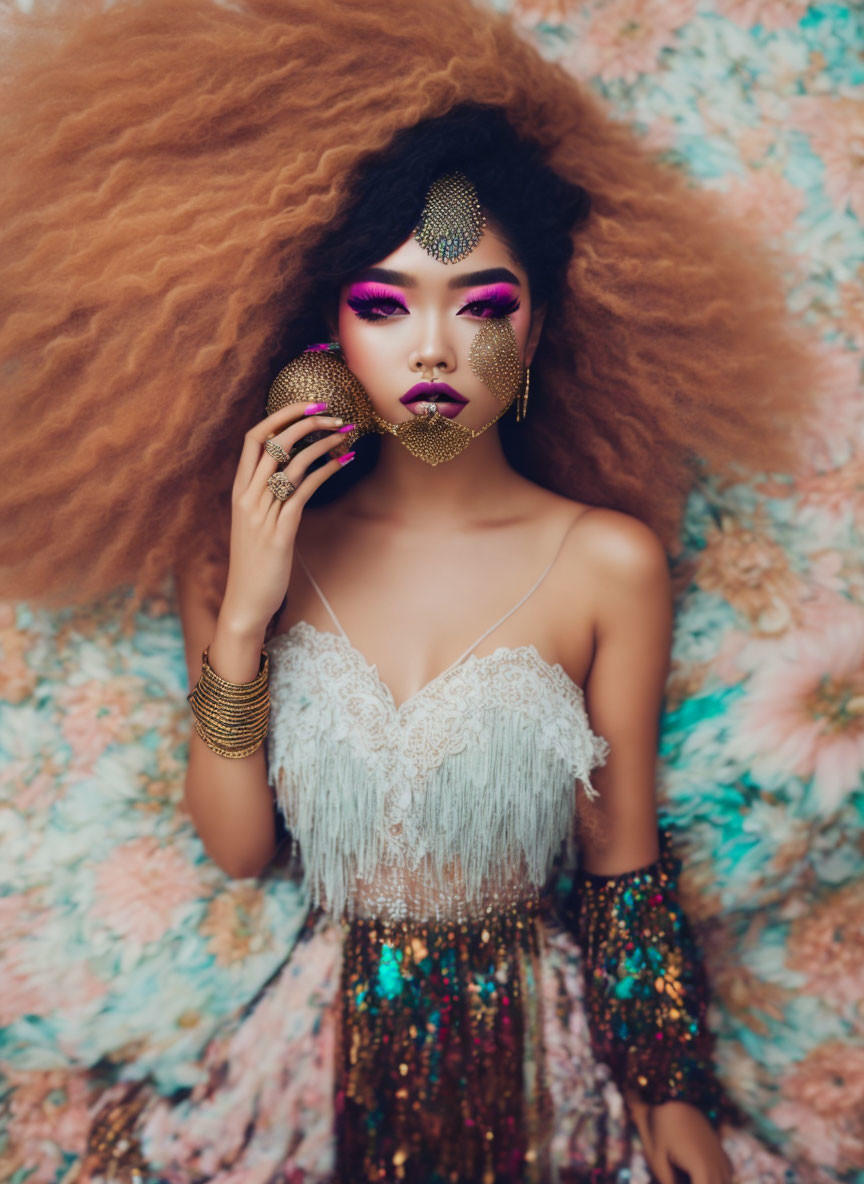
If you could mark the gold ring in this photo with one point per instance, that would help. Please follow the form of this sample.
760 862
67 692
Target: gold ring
280 486
275 450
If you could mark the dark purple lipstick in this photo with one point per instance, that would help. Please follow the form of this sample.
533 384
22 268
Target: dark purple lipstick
448 401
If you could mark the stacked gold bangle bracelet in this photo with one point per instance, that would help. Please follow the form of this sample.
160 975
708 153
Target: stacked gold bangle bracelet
231 717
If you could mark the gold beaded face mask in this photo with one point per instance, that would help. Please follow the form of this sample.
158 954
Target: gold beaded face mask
449 228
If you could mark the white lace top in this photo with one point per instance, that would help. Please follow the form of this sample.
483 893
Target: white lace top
459 798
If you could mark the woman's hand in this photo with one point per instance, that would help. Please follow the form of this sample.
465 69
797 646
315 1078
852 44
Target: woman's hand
263 528
678 1135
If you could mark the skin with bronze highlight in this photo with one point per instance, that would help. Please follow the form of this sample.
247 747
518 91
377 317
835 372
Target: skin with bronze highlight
483 301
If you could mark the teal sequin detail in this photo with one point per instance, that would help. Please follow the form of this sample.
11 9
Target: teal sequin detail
646 988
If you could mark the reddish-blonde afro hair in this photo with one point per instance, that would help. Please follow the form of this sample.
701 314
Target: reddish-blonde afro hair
174 166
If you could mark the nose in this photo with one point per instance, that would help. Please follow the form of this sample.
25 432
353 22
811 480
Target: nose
433 352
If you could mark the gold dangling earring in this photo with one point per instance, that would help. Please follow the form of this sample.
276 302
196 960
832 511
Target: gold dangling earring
522 400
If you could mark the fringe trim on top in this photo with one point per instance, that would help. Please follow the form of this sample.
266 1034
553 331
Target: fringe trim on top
469 786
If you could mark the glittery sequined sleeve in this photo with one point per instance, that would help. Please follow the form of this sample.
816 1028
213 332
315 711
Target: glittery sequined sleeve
646 987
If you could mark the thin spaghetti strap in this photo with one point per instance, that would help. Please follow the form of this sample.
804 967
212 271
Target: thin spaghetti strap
317 588
518 603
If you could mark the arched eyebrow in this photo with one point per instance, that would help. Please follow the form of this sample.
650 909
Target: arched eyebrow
491 275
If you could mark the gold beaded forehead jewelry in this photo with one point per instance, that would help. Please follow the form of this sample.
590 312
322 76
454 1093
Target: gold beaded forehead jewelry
452 220
450 226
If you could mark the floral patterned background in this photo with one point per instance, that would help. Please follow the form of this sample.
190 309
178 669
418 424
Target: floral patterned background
123 945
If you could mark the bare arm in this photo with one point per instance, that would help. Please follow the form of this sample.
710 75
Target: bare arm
643 966
624 693
230 801
228 796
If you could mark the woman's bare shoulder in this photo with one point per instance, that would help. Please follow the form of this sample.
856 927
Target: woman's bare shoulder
604 545
610 552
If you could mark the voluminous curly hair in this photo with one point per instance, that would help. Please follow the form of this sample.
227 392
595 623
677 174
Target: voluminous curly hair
181 172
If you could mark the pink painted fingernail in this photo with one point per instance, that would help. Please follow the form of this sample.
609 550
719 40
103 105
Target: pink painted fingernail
314 408
347 427
343 460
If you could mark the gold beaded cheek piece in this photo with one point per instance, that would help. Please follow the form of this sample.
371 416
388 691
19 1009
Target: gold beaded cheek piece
450 226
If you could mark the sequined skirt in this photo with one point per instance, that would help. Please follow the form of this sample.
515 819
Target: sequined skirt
440 1069
374 1052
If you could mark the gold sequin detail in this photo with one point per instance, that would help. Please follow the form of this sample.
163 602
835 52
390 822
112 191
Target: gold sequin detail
438 1023
317 376
494 358
113 1152
452 220
431 437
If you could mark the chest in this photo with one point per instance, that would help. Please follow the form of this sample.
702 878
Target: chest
468 786
496 710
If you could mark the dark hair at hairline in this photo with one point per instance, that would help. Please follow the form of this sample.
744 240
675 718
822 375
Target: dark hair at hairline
533 208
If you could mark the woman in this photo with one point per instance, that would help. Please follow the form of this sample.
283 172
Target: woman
432 771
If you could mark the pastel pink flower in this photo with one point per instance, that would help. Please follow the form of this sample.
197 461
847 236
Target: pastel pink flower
139 887
836 492
764 195
823 1106
751 571
48 1114
93 715
33 981
623 38
770 14
836 131
804 710
827 946
836 431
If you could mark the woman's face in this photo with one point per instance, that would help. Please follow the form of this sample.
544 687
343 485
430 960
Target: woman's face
411 318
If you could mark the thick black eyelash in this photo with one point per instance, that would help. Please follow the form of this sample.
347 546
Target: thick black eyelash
362 306
501 308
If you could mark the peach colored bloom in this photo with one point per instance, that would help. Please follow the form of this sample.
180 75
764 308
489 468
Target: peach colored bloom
140 885
48 1114
838 492
31 982
234 924
827 945
764 195
834 428
851 293
533 12
751 1000
95 714
804 711
823 1106
835 126
751 572
18 676
622 39
754 142
770 14
728 664
17 913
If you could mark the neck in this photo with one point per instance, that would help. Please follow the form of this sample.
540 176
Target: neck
408 491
